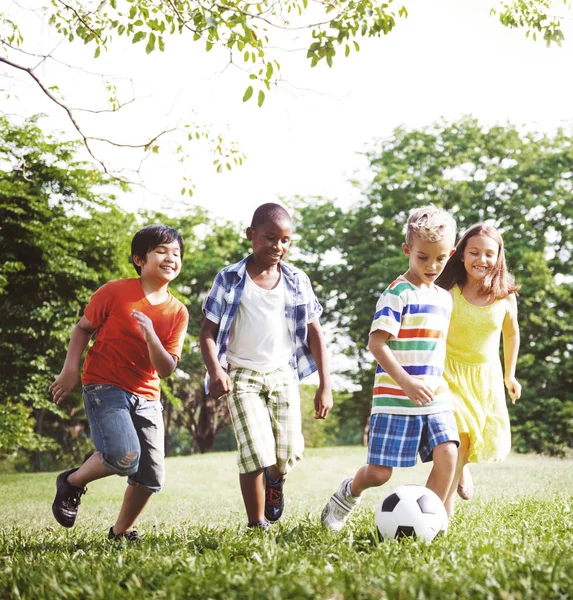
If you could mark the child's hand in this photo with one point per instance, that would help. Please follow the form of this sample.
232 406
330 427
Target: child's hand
418 391
514 388
322 403
145 325
219 384
64 383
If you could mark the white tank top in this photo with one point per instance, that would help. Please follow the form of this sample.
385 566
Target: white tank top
259 338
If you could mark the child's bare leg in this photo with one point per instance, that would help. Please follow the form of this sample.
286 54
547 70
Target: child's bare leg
253 490
369 476
135 500
461 461
91 470
466 476
274 472
440 480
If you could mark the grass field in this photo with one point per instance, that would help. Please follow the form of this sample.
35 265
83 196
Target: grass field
513 540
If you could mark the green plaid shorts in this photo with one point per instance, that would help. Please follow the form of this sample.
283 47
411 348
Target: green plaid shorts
265 412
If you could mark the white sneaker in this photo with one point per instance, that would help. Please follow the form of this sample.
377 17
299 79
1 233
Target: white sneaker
339 506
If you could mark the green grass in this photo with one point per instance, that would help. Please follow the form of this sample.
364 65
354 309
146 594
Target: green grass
513 540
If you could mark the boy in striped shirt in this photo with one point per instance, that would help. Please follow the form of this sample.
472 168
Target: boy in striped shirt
412 412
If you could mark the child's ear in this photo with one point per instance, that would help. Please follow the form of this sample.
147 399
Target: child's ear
137 260
406 249
249 233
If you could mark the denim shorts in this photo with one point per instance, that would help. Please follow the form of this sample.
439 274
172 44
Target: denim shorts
396 440
128 432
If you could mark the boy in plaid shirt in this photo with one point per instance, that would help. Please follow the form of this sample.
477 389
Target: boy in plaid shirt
259 337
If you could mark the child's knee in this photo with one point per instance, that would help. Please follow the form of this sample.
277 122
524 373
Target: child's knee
379 474
446 452
124 464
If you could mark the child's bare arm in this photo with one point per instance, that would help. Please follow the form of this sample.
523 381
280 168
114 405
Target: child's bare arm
323 398
67 380
418 391
219 382
510 332
163 362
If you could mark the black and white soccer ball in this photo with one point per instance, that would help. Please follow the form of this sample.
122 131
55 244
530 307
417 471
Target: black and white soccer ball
411 511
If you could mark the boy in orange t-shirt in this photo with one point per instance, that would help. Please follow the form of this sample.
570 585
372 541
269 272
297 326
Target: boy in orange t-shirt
140 328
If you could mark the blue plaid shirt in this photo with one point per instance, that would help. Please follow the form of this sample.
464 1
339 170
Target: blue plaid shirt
301 307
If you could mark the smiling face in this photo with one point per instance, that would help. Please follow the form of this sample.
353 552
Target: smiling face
270 241
427 260
161 264
480 256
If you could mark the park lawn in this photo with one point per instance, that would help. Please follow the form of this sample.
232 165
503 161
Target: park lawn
513 540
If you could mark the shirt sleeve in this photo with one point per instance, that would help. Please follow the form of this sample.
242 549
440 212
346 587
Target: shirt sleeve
313 307
214 303
174 345
99 306
388 316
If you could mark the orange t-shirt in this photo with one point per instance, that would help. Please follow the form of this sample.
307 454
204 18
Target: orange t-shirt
119 355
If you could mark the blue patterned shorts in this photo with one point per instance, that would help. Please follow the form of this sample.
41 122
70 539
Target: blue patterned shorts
396 440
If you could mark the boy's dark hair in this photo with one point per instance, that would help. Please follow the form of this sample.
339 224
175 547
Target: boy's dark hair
148 238
269 212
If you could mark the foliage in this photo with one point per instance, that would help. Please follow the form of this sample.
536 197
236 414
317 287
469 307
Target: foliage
58 241
250 34
522 183
535 17
244 29
512 541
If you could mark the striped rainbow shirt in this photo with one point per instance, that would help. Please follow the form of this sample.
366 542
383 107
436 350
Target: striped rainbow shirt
417 319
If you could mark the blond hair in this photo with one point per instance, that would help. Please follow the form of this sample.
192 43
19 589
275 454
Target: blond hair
430 224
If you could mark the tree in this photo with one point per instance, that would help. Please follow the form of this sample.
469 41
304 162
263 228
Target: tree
251 34
58 242
522 183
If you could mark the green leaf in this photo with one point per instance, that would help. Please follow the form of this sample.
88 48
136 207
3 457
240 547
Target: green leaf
261 98
150 44
97 52
248 93
140 35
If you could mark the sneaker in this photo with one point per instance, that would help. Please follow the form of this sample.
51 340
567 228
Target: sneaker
130 536
274 498
67 501
339 506
262 525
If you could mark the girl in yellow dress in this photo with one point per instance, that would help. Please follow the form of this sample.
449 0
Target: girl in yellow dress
484 309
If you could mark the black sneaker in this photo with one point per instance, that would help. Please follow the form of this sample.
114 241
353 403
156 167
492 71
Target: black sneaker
67 500
274 498
129 536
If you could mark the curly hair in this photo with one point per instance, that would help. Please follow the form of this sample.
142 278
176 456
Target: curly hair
431 224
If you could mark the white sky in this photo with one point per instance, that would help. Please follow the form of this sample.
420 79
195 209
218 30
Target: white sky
447 59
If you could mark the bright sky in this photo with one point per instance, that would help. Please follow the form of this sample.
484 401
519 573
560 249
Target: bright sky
447 59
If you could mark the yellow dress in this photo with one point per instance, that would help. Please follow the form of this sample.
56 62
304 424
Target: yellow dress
475 377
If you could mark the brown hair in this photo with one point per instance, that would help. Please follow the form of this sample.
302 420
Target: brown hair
499 283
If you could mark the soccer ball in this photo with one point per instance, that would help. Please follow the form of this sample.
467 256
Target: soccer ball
411 511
